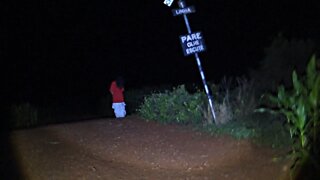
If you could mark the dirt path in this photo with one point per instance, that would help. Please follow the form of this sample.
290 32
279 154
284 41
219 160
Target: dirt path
135 149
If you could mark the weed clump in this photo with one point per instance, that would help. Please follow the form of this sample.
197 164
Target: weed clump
176 106
24 115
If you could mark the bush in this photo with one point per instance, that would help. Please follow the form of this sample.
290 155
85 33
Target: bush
270 130
282 57
176 106
300 106
24 115
179 106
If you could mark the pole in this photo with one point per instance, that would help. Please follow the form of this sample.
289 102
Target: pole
182 4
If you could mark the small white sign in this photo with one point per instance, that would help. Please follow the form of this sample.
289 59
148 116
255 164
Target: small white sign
168 2
187 10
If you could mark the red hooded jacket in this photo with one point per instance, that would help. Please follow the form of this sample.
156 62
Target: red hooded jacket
117 93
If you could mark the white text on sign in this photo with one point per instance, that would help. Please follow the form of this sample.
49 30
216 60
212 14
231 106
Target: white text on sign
191 37
181 11
192 43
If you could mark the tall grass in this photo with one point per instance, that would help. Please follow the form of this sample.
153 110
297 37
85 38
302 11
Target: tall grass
234 100
24 115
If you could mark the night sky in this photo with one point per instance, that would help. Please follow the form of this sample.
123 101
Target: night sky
75 48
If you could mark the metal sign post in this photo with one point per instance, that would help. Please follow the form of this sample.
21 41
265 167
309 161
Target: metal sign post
192 43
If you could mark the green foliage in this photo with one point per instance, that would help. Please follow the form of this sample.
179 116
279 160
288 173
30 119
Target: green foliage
270 130
176 106
236 129
282 57
262 129
24 115
179 106
300 105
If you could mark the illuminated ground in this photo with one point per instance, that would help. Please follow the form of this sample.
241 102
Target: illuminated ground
134 149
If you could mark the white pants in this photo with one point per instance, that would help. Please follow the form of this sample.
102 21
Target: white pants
119 109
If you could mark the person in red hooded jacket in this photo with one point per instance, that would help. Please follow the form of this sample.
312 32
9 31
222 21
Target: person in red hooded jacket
118 103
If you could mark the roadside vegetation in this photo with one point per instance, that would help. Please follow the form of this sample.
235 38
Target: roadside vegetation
277 105
300 106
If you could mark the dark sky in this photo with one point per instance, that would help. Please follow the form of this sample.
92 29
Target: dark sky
76 47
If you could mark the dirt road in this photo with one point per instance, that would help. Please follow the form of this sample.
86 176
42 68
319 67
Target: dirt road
134 149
